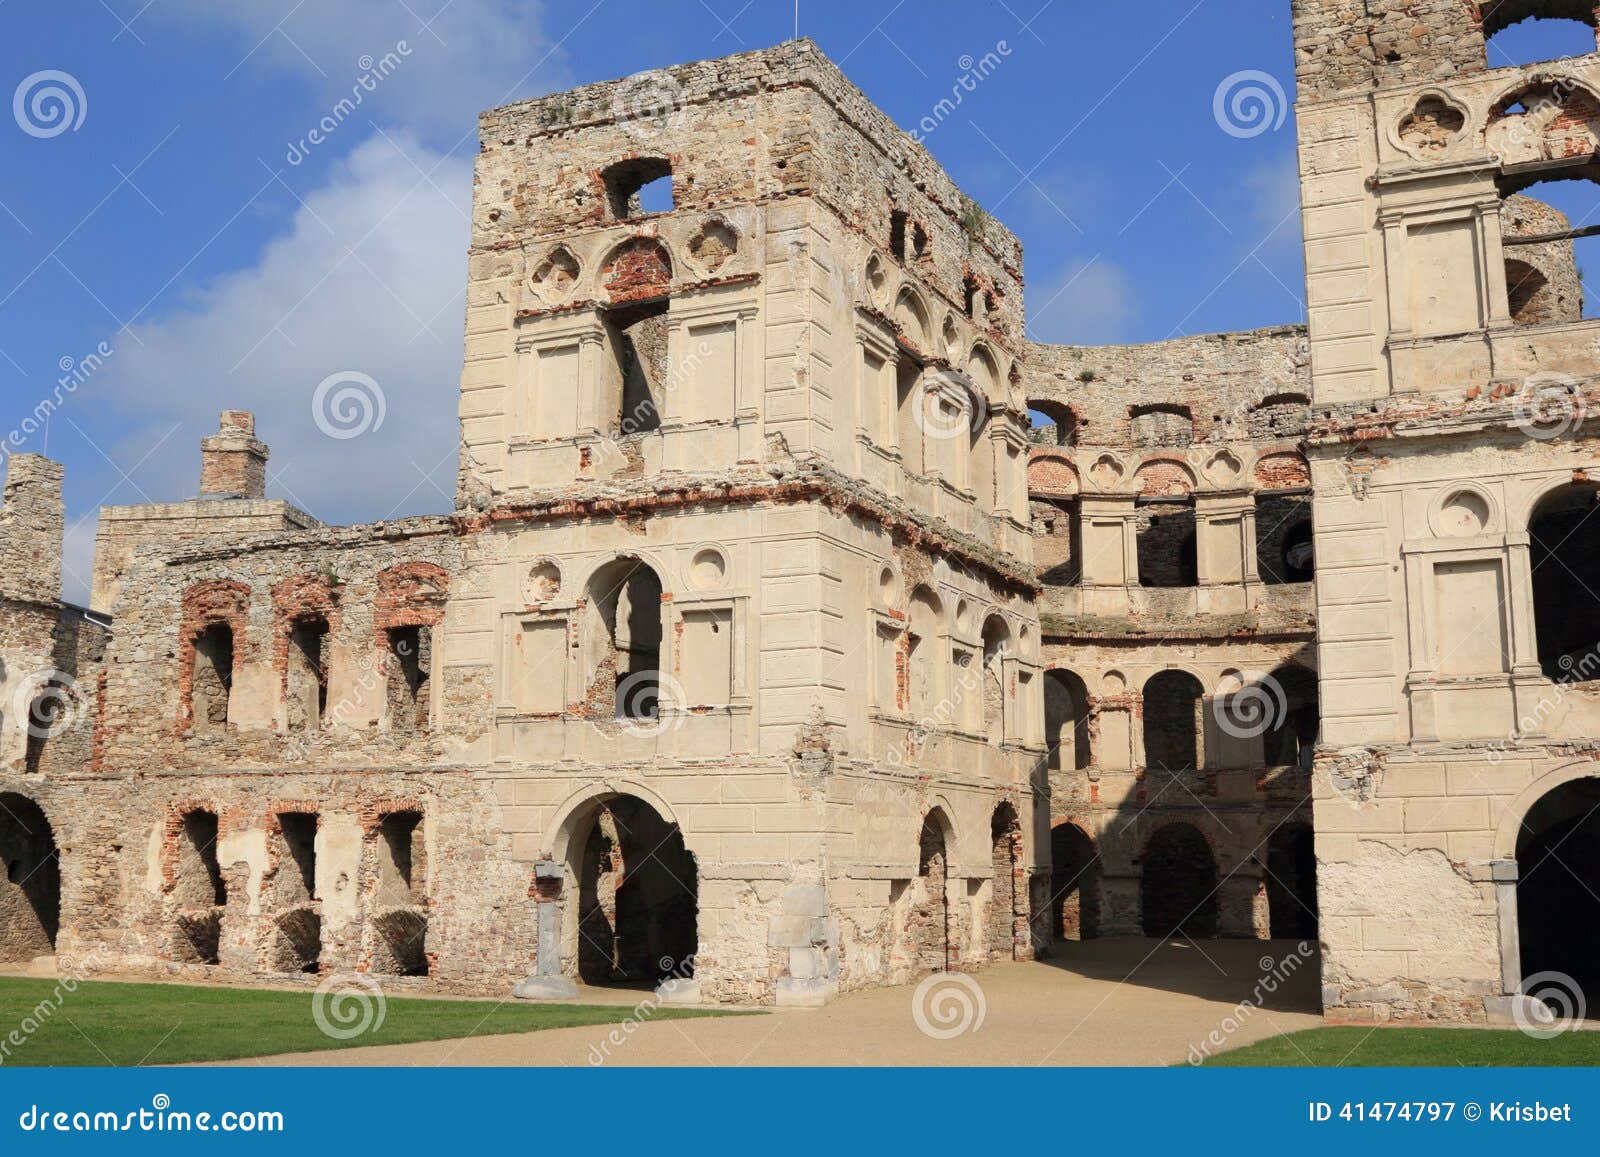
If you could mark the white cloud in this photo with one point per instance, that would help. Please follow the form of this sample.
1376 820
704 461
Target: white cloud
1272 193
465 55
368 278
1087 303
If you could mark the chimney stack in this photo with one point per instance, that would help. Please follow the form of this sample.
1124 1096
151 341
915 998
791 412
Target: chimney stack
233 462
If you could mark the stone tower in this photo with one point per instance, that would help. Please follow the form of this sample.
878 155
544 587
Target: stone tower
739 415
1452 454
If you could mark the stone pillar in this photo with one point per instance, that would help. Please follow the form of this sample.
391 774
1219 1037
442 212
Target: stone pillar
548 982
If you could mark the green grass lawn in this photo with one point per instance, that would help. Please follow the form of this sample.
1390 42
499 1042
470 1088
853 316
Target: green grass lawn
1365 1047
154 1024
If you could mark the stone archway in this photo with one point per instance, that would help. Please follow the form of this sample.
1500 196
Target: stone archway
30 894
1558 875
928 924
637 913
1074 884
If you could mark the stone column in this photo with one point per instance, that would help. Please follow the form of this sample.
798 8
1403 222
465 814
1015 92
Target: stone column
547 981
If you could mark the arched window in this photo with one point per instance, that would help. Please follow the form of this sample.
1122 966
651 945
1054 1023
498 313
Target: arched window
996 644
1161 426
1530 31
1172 704
638 186
1564 553
622 641
1066 721
1283 539
1053 423
1293 717
928 924
1542 255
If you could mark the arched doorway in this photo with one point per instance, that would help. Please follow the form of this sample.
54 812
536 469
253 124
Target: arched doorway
1074 884
30 896
928 926
1292 883
1558 875
638 895
1007 907
1178 884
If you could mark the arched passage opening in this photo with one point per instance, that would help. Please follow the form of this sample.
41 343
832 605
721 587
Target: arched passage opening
1291 734
928 925
1008 913
1066 721
638 896
1178 884
622 642
1558 876
1074 884
1172 705
30 896
1564 554
1292 883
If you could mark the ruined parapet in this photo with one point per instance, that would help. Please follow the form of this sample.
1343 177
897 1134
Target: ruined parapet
233 461
1346 46
1542 282
32 521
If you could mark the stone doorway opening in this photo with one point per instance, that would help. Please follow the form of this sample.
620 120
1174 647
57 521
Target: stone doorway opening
638 896
30 896
1178 884
1558 875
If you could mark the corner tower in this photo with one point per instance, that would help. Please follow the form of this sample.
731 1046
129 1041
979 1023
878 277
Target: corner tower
1452 449
741 427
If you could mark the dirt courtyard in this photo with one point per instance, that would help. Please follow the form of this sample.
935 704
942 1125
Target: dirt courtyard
1100 1002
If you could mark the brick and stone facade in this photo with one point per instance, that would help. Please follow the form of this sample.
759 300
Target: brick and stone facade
802 627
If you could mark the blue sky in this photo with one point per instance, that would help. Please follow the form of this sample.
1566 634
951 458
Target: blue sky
172 225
